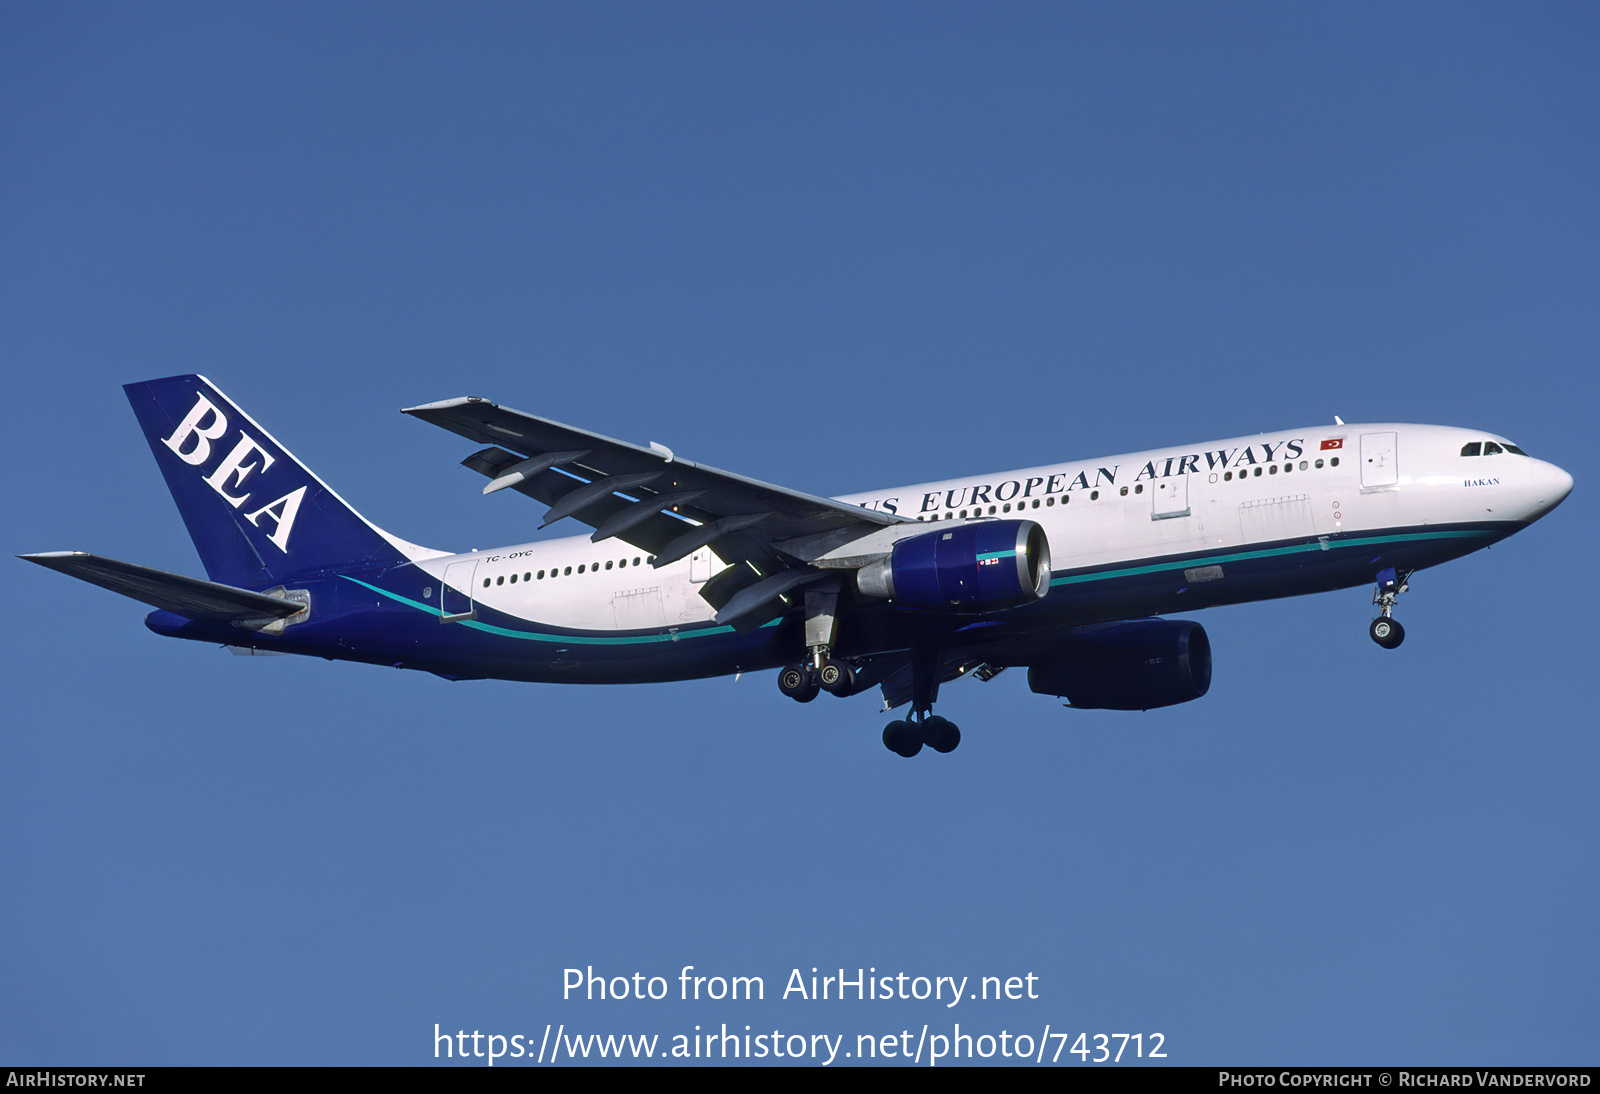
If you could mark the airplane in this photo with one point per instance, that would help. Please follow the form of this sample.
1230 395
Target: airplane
1066 570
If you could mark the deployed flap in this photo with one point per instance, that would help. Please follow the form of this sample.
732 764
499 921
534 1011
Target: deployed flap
189 597
521 439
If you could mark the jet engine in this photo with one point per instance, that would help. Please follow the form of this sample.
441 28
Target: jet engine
979 567
1129 666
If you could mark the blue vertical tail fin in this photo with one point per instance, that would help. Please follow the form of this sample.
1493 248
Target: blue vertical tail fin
256 514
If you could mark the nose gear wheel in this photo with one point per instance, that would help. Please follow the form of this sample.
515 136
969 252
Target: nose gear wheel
1386 630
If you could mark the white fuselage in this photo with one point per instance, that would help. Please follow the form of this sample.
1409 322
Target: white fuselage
1219 496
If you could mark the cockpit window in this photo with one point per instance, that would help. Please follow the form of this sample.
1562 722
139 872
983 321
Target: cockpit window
1490 448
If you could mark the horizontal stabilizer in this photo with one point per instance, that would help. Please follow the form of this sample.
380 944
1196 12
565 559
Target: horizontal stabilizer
189 597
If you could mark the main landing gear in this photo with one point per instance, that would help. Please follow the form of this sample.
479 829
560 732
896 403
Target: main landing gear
906 738
1386 631
820 672
802 682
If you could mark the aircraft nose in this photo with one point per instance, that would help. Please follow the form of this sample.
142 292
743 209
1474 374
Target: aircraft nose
1552 487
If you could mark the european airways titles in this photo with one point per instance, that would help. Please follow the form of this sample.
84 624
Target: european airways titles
1061 482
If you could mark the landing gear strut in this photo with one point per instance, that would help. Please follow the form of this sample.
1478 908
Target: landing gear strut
820 671
923 727
1386 631
822 629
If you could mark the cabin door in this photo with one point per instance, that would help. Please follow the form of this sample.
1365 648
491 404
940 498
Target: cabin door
1378 464
1169 497
455 594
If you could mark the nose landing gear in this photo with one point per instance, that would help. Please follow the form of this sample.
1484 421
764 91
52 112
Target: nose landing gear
1386 631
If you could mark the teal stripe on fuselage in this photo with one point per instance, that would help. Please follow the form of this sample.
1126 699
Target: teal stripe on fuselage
1070 579
1269 552
535 636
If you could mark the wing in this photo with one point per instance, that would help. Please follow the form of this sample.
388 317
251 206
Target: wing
667 506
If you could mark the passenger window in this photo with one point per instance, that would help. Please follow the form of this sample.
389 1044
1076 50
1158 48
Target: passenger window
513 579
1472 448
527 577
568 571
1049 501
1138 488
1319 465
1094 495
1227 476
1491 449
1273 469
1123 491
485 583
1302 465
1006 508
1036 503
541 575
501 580
608 564
1333 461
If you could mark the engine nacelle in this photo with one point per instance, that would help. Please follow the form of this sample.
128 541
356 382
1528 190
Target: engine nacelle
978 567
1130 666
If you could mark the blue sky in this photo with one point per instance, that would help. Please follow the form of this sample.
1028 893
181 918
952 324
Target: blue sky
838 247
